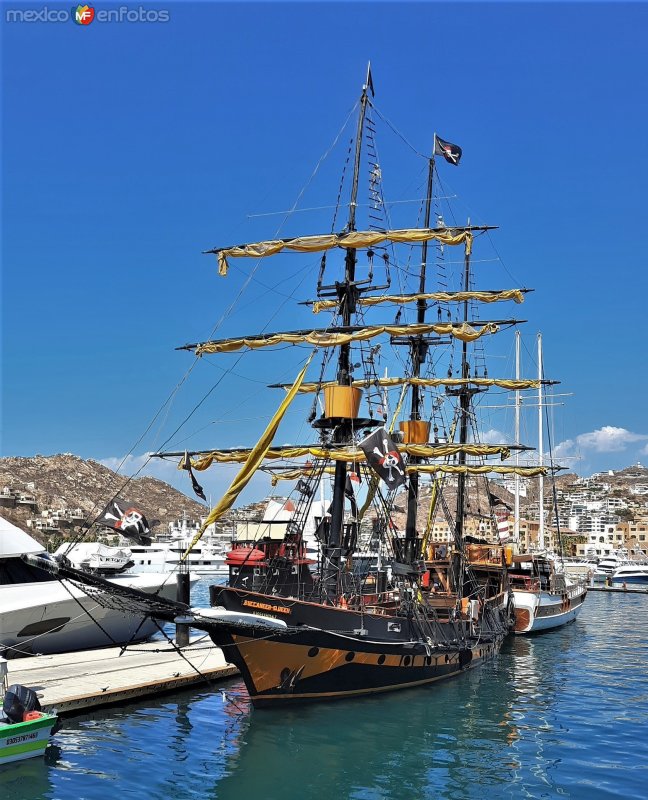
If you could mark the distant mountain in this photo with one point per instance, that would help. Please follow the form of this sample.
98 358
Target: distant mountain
69 482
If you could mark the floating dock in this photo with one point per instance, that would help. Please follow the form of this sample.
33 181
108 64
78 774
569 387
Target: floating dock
75 682
616 589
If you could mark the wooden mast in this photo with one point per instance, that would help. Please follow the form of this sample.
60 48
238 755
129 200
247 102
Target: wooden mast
419 353
347 293
465 394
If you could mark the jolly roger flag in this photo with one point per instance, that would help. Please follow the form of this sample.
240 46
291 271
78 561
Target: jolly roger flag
123 517
383 457
451 152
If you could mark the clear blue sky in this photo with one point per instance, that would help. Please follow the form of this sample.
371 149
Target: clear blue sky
129 148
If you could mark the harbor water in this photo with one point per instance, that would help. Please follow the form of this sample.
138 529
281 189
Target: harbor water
562 714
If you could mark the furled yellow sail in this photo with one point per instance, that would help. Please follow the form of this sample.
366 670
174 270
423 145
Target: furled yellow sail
252 463
462 331
350 454
480 469
355 240
433 469
441 297
502 383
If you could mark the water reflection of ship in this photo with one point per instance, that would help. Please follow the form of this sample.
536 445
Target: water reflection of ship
532 667
441 744
495 728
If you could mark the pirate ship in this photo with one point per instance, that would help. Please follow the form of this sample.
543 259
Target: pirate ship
429 610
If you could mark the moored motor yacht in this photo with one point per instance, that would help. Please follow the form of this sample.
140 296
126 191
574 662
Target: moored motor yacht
40 614
633 576
608 565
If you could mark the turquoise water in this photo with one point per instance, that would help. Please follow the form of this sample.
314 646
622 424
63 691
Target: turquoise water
559 715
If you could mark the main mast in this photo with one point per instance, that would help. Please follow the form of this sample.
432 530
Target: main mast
465 394
419 353
347 294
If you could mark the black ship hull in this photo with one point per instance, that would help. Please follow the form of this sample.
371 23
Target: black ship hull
328 653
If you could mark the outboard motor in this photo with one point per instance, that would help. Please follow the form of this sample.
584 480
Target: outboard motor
18 701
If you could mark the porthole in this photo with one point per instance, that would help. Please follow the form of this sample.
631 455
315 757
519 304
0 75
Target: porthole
382 659
447 658
407 660
349 656
428 660
313 652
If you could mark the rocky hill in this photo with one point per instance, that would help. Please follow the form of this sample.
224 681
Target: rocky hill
68 482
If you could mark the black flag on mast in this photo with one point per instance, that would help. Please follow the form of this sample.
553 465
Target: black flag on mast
451 152
384 458
369 85
186 464
350 496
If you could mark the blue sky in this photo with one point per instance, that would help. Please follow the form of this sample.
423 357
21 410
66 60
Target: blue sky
128 148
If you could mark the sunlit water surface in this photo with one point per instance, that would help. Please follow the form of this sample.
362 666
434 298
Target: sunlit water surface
562 714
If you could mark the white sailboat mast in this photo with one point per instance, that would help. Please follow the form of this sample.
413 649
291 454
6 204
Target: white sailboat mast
541 537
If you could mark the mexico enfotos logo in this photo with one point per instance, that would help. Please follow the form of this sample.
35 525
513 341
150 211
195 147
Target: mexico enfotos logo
84 15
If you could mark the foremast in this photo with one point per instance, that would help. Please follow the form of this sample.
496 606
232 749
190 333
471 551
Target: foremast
347 293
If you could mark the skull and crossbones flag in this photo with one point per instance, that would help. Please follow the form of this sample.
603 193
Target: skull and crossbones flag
383 457
123 517
451 152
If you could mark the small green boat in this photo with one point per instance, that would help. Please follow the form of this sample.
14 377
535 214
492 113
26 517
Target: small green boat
25 729
29 739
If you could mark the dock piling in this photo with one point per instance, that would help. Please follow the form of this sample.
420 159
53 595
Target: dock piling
184 596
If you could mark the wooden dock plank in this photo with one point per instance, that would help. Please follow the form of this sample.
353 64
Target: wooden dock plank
75 682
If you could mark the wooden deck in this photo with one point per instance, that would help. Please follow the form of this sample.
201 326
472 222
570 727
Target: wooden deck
75 682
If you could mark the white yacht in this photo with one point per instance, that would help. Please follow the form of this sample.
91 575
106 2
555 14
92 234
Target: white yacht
204 559
41 614
608 565
631 576
164 554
